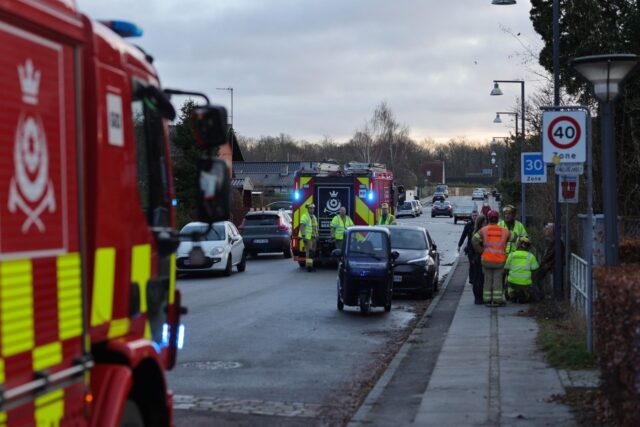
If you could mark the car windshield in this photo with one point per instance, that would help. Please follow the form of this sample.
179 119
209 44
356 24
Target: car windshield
368 243
437 205
216 232
406 206
407 239
261 219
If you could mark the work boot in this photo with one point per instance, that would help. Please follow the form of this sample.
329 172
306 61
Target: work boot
309 268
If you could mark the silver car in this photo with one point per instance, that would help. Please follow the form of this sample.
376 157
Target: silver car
406 209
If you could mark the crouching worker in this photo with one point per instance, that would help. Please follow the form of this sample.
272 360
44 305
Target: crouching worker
520 264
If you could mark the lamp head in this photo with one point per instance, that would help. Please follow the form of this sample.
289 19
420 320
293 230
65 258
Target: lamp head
503 2
496 91
497 119
605 73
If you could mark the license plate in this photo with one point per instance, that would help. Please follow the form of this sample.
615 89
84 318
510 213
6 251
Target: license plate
260 240
397 278
186 261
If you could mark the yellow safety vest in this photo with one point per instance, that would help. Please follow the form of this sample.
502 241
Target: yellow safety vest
386 221
520 264
310 226
515 233
339 225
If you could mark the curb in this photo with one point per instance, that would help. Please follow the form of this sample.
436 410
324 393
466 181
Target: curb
369 402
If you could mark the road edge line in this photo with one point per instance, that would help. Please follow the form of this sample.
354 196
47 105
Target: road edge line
372 397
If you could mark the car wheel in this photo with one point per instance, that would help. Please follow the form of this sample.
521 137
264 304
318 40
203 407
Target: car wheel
254 254
243 262
455 220
227 270
426 293
436 283
433 216
340 304
131 415
387 306
288 253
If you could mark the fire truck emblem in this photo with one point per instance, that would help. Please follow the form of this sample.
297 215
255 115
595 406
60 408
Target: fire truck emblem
333 204
31 189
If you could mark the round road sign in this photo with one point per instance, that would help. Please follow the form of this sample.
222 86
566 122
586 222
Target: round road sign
564 132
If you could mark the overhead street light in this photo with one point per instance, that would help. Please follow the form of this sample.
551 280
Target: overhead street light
497 119
503 2
606 75
496 91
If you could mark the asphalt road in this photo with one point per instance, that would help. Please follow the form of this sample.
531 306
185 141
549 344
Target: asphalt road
268 346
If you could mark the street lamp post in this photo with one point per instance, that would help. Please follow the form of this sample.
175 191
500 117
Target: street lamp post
606 74
494 144
496 91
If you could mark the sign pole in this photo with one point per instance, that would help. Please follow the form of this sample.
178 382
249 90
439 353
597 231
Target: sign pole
589 248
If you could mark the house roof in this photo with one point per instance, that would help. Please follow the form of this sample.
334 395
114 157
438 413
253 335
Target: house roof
269 174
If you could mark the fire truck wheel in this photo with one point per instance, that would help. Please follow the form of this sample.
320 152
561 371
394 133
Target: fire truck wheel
243 263
131 416
227 270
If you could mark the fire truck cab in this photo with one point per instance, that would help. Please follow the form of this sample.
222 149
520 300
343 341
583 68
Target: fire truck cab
89 310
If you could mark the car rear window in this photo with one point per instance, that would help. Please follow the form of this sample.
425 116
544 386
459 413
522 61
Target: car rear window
215 233
407 239
261 219
406 205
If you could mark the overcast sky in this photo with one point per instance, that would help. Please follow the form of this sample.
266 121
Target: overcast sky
315 68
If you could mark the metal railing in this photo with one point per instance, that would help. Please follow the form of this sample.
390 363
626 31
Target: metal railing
578 278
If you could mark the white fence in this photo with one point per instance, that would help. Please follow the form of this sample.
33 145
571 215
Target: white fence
578 279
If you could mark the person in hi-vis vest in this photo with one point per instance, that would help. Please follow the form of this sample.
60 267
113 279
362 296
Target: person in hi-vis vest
491 243
309 234
339 224
386 218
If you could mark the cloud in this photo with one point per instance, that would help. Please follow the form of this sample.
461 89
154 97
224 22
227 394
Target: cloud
309 68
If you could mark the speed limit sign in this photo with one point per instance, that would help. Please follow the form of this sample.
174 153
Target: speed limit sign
564 136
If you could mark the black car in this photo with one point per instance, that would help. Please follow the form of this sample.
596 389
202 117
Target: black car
442 208
416 270
265 232
438 197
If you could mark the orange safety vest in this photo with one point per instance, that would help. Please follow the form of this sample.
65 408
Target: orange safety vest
494 242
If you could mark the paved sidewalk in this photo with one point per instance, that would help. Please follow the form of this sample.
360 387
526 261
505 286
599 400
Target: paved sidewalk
489 373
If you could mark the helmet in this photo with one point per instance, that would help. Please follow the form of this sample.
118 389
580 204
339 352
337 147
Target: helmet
509 208
493 215
385 206
524 242
311 205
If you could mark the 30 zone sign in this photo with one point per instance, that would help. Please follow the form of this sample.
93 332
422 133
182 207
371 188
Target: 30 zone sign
564 136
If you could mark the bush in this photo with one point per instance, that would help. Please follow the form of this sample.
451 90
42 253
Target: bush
629 250
617 322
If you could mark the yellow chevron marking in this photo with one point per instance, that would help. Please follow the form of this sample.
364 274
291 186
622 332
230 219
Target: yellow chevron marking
50 409
141 273
119 327
363 211
46 356
69 296
172 280
16 307
103 284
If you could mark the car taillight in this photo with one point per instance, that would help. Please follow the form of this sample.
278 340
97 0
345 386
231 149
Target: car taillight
241 226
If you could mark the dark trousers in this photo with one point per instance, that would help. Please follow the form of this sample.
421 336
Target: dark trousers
476 276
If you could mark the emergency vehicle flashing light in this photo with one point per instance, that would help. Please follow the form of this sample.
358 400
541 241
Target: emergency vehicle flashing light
124 28
296 195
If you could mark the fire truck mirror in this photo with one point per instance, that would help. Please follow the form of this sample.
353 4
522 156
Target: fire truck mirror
156 101
214 190
210 125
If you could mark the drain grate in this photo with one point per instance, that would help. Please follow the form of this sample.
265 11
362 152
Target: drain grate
247 406
212 365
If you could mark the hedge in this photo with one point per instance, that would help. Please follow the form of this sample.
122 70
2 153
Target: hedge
617 327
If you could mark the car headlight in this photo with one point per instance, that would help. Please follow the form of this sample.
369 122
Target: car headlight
217 251
425 261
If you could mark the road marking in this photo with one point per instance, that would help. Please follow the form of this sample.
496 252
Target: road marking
247 406
494 372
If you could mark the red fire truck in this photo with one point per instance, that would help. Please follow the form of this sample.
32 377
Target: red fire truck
89 310
361 188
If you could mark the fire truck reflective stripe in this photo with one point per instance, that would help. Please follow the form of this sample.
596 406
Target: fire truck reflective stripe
304 180
3 418
103 281
46 356
16 307
172 279
69 296
1 371
50 408
119 328
141 273
363 211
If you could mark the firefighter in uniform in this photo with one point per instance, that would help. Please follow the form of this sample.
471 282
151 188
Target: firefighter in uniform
339 224
515 227
309 234
491 243
386 218
520 264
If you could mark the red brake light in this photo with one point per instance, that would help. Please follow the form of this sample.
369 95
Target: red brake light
281 225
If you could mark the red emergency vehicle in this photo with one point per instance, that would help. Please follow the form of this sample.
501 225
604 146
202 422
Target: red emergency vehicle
89 311
361 188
